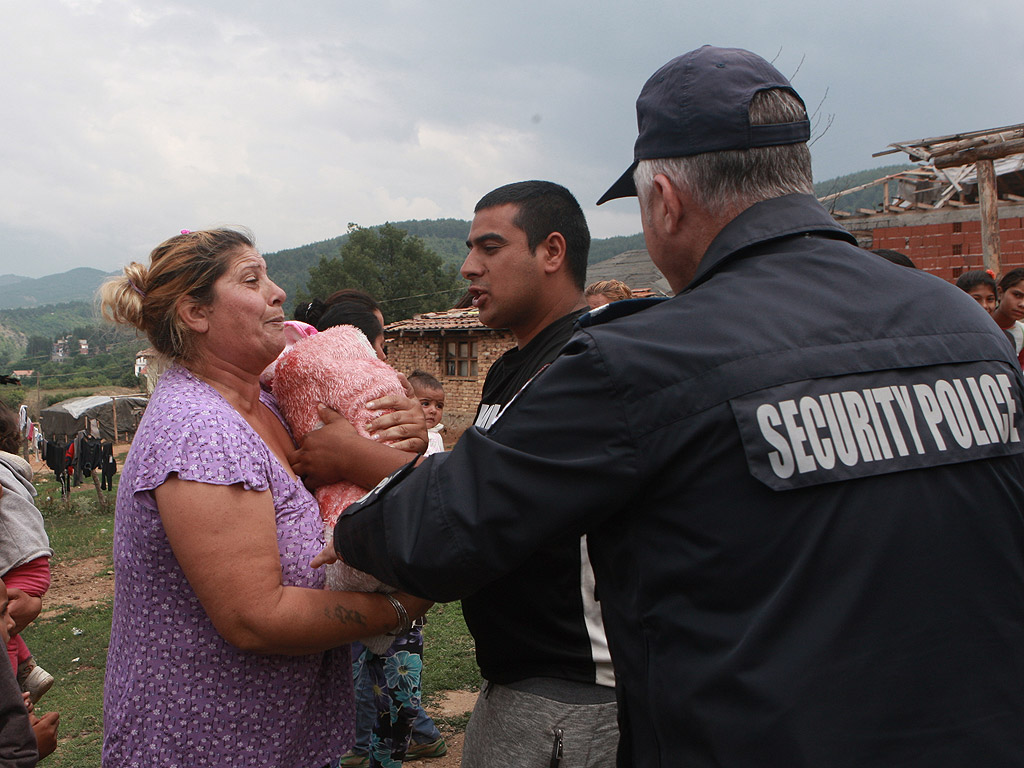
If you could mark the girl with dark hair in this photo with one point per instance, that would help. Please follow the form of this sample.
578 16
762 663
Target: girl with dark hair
981 286
1010 312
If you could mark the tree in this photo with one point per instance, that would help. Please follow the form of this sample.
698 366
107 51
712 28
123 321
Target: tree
395 268
38 348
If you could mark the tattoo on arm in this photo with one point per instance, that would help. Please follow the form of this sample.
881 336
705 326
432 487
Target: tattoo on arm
346 615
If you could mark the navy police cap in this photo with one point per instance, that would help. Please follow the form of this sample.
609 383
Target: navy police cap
700 102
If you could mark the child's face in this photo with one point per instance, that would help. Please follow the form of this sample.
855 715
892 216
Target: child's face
1012 302
432 401
6 620
984 296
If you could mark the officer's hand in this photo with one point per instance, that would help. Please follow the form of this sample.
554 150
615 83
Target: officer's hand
317 460
405 427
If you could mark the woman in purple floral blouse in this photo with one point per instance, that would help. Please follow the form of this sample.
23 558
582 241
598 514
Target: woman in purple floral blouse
225 649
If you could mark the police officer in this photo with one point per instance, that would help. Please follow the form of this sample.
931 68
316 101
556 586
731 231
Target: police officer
801 477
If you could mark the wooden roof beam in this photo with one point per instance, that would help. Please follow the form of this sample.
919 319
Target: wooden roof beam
988 152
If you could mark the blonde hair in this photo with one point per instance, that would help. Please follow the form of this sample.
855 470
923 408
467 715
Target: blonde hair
185 266
613 290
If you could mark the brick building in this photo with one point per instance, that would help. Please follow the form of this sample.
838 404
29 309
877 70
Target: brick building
945 242
962 208
456 348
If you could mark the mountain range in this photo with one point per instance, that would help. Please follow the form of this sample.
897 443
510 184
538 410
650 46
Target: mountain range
77 284
290 267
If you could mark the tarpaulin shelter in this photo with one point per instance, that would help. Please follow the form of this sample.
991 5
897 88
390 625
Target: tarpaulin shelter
63 420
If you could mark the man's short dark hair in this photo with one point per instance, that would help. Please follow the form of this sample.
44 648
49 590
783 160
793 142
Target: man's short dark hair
546 207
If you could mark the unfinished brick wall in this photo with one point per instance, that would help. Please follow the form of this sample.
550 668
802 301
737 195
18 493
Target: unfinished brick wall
425 351
951 248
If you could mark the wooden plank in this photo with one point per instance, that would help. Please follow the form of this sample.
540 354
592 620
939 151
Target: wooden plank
851 190
988 153
989 215
901 146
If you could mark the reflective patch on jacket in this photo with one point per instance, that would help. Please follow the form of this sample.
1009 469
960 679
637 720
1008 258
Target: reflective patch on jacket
825 430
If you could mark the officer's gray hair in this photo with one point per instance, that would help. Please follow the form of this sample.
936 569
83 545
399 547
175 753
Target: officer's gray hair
735 179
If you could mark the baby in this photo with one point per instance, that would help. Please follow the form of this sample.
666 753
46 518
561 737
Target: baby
430 393
339 368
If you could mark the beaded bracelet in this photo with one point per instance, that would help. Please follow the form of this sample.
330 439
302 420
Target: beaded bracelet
404 624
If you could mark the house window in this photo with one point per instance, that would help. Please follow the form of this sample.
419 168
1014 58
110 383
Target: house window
460 358
957 227
958 249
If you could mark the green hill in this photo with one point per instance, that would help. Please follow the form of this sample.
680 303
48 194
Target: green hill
290 267
74 285
865 198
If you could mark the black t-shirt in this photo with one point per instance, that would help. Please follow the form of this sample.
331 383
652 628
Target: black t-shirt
511 372
532 622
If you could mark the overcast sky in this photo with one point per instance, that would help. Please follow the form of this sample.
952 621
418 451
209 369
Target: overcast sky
124 121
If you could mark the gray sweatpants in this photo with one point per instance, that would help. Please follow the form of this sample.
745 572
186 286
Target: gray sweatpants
514 729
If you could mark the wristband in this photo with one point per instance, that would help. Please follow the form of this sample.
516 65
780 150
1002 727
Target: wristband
404 624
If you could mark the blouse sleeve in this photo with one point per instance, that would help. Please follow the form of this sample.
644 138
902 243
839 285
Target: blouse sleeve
210 443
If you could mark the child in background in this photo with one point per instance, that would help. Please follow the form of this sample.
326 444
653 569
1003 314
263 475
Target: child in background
430 393
1010 312
980 284
24 553
605 292
24 738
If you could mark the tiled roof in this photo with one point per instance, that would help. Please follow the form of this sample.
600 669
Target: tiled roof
452 319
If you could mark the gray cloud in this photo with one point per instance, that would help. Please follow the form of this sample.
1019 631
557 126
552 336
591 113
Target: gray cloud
128 120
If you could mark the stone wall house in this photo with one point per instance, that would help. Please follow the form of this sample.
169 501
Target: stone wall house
456 348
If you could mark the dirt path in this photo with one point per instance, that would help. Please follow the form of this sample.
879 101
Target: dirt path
455 703
80 584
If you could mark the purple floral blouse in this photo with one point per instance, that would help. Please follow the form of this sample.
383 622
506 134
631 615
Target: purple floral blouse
177 694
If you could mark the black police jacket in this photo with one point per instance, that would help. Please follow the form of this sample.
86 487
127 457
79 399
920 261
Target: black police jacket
802 485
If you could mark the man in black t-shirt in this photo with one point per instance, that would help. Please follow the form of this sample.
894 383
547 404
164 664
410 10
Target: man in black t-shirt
538 629
540 640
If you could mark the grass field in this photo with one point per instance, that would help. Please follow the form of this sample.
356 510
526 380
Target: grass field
71 642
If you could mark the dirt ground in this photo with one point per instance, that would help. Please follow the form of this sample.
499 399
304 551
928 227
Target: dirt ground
81 584
85 583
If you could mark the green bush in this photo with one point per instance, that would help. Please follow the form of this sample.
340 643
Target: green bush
12 397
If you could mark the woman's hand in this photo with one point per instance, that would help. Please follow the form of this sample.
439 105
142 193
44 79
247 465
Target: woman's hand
23 608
